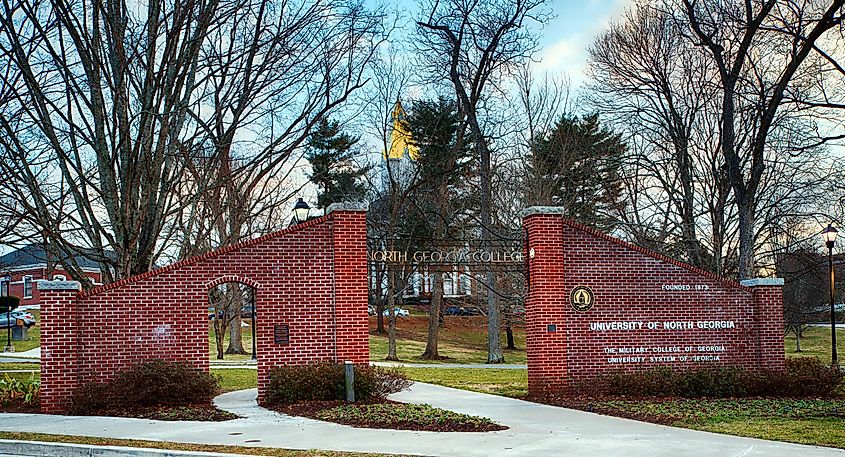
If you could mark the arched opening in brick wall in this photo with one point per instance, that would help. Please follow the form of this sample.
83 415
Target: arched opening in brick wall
232 320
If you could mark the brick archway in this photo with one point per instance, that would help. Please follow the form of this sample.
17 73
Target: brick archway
232 278
163 313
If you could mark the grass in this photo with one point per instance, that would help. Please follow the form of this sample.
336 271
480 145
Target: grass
507 383
463 339
803 421
33 335
242 450
246 335
816 343
232 379
19 366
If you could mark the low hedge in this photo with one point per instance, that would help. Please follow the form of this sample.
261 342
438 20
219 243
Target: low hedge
803 378
150 383
325 381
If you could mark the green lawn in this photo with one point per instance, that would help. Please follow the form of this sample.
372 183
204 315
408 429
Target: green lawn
246 334
509 383
462 339
805 421
236 378
816 343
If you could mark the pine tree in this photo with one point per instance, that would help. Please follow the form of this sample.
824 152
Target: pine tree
576 166
331 154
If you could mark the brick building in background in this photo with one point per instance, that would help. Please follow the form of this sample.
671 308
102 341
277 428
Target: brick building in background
30 265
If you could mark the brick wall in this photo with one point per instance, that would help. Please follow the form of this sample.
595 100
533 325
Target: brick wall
311 277
635 289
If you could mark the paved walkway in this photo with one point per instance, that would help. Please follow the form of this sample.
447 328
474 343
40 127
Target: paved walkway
535 430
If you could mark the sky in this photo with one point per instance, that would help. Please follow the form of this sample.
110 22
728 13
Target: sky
565 39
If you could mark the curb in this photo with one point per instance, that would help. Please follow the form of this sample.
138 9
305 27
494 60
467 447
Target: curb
46 449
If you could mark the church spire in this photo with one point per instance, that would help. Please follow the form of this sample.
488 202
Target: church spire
400 137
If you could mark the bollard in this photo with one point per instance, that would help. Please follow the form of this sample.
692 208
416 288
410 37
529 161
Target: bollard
350 381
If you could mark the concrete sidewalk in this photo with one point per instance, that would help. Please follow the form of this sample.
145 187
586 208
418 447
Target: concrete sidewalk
535 430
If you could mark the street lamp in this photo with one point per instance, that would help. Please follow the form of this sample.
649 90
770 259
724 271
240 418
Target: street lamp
300 211
829 235
7 282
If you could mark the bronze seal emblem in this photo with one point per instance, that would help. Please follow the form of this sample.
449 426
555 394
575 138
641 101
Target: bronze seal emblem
582 299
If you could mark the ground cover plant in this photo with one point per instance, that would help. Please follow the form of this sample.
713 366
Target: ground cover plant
19 393
401 416
154 389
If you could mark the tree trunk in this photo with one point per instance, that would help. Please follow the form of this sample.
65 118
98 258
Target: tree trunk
434 318
379 301
509 334
746 238
798 338
391 314
234 303
219 334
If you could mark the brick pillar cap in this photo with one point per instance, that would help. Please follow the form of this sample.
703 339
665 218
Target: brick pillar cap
59 285
549 210
757 282
347 206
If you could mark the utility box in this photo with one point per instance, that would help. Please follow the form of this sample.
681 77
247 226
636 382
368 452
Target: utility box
19 333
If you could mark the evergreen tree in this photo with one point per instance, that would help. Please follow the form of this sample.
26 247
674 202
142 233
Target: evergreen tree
331 154
576 166
441 167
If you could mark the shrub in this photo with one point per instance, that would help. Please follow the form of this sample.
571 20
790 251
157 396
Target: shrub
803 377
150 383
16 390
325 381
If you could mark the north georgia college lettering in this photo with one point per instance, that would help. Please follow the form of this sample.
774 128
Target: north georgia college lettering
647 310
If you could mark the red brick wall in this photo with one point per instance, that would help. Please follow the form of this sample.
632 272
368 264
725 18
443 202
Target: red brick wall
630 285
311 277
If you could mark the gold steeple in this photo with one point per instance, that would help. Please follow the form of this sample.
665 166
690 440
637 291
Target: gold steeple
400 138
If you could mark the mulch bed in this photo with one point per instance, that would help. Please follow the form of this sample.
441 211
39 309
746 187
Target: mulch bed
595 405
19 407
313 410
203 413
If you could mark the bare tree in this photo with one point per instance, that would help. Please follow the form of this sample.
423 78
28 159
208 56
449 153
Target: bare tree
120 115
473 45
763 45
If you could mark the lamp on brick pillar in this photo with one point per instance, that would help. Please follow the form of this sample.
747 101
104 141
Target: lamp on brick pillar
300 211
829 235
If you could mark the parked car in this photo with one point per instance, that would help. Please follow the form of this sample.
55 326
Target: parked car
455 310
400 312
246 311
27 318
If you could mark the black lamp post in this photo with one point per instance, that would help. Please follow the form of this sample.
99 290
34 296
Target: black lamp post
300 211
7 282
829 235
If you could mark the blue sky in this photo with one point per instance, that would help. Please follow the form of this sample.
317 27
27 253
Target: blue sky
564 40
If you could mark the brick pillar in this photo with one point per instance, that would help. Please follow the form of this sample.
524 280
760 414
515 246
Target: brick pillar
349 240
768 314
59 344
546 298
